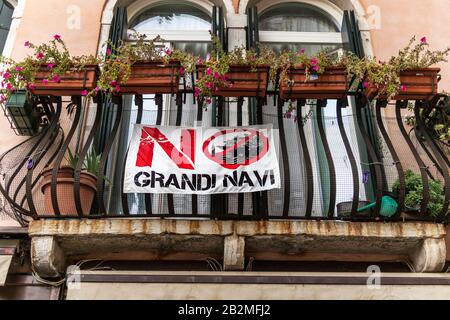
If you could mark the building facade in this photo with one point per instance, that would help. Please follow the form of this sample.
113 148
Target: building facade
169 246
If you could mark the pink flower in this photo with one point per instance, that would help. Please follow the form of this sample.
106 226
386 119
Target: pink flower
168 51
27 43
315 68
302 51
208 71
208 57
199 61
6 75
50 65
182 71
45 81
113 83
208 101
117 88
9 87
40 55
196 92
56 78
108 51
209 85
423 40
31 86
2 98
314 61
253 58
404 88
57 37
224 78
84 93
97 89
216 75
365 84
19 69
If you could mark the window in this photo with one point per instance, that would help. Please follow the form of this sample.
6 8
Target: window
6 12
295 26
184 27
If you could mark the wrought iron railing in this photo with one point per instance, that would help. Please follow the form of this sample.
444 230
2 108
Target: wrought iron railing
336 154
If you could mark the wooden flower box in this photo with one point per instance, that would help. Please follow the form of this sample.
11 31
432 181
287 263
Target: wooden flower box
152 78
244 81
332 84
420 84
70 84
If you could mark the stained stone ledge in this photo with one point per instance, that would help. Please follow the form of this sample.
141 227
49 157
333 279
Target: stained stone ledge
56 243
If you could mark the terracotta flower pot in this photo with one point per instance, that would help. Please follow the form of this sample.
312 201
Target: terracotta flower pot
244 81
65 191
152 78
332 84
70 84
420 84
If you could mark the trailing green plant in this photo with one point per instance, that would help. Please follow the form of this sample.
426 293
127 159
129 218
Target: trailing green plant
54 56
218 64
385 76
117 62
414 193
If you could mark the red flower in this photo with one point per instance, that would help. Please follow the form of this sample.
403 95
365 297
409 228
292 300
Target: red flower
50 65
315 68
9 87
404 88
113 83
40 55
365 84
181 71
208 71
19 68
6 75
216 75
168 51
302 51
31 86
108 51
314 62
84 93
45 81
423 40
57 37
118 88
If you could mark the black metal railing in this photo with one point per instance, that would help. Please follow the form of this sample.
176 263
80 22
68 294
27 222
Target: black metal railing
333 152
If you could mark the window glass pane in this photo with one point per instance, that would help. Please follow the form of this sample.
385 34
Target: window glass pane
200 49
172 17
310 49
296 18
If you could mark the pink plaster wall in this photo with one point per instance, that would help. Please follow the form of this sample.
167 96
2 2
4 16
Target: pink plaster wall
402 19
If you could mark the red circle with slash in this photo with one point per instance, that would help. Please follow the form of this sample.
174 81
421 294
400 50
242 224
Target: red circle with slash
219 156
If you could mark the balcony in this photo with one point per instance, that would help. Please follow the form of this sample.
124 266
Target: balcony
340 155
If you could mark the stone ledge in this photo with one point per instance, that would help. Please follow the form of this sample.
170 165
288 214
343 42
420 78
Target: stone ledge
420 244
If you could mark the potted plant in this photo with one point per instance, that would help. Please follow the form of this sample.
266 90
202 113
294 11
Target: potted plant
239 73
143 67
322 76
406 76
414 194
51 70
65 184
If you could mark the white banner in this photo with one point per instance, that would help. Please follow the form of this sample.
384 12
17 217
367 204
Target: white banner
164 159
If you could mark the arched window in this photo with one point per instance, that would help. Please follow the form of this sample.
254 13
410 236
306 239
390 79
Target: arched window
181 26
184 26
294 26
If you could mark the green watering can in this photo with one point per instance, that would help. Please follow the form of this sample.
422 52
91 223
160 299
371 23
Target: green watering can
388 206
